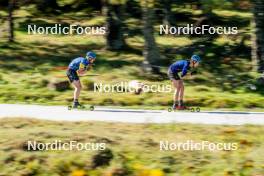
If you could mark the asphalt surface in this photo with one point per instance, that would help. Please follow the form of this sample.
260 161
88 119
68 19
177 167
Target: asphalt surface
61 113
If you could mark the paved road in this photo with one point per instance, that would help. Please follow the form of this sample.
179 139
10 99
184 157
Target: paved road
60 113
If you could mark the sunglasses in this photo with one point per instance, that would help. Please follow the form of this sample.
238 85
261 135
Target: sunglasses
91 58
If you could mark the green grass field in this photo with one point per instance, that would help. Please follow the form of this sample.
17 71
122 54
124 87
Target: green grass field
29 65
135 149
33 62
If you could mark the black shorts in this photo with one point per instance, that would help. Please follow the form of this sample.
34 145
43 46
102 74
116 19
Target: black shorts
172 75
72 75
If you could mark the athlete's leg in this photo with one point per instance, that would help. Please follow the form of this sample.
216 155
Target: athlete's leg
181 92
174 77
177 90
77 89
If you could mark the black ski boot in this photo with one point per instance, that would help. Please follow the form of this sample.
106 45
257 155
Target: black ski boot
181 105
175 105
77 105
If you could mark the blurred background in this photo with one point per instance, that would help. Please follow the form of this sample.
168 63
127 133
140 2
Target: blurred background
32 70
230 75
131 149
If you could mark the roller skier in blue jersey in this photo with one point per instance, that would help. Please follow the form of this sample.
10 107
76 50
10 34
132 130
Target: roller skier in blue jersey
176 72
78 67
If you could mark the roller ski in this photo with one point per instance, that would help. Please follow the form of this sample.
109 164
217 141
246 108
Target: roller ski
183 108
78 106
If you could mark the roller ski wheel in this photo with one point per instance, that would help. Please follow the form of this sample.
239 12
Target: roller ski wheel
170 109
192 109
81 107
91 108
184 108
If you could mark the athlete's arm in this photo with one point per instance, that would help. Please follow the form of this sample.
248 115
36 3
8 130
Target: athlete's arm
184 69
82 69
89 67
81 72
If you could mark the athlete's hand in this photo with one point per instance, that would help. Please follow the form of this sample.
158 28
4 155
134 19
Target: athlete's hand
81 72
89 67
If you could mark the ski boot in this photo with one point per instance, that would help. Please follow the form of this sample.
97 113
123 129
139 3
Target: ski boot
76 105
181 106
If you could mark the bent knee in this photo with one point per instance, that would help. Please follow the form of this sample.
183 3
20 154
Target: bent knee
78 87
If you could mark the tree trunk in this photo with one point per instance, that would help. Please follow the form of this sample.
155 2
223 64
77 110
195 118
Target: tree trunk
10 21
115 35
207 9
167 12
259 42
254 59
151 51
47 5
132 8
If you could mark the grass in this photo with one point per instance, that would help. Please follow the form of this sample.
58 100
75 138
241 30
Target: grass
29 65
135 149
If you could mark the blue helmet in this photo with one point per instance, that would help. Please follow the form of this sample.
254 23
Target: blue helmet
90 54
196 58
